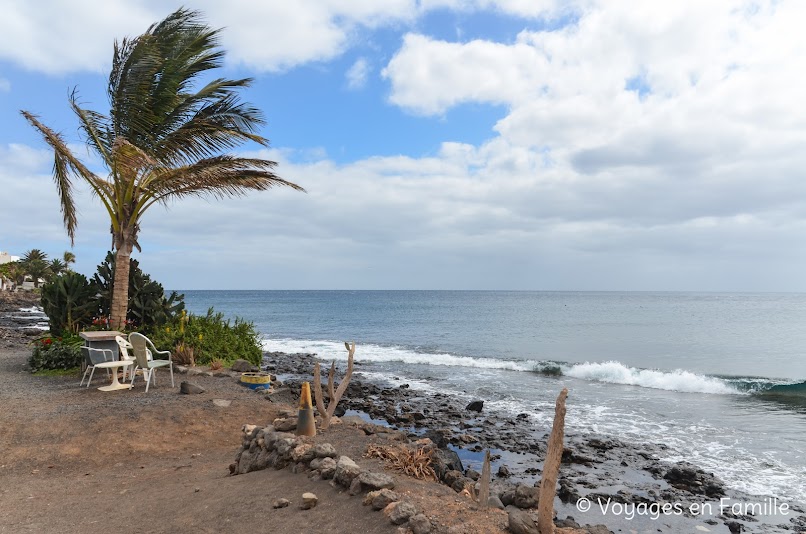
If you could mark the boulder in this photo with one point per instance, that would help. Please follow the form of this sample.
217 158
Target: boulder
399 512
525 496
420 524
522 496
303 453
324 450
309 500
280 503
243 366
189 388
520 522
450 477
495 502
460 484
327 468
381 499
346 471
475 406
370 481
285 425
689 478
446 460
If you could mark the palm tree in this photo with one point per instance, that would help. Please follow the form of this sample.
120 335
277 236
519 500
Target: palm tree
69 259
33 255
56 267
163 138
35 263
13 272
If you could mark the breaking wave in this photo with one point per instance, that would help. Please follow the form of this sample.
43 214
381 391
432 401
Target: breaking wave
611 372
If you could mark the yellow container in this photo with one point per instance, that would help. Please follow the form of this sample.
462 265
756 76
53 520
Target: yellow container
256 380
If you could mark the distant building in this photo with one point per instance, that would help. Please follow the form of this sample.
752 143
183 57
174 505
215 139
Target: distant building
5 283
5 257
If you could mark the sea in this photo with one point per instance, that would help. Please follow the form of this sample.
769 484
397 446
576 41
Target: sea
719 378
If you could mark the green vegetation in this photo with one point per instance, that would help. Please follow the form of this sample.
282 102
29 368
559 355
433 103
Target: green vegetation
73 303
148 306
163 137
55 353
34 264
69 302
211 338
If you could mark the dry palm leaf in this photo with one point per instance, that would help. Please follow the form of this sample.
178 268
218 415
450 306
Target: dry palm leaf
413 462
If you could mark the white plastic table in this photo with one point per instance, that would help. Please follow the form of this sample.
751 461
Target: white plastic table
115 383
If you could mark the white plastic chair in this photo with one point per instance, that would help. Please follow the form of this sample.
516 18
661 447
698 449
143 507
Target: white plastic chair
92 357
123 349
140 344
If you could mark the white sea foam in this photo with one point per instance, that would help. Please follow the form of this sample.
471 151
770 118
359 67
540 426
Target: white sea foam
679 380
377 353
608 372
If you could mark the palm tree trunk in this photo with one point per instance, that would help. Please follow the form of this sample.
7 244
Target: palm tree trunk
120 287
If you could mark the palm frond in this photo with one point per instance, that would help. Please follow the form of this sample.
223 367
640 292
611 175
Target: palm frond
94 126
220 176
64 164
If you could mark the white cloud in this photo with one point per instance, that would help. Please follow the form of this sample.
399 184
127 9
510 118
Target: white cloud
266 36
358 73
38 36
490 216
715 80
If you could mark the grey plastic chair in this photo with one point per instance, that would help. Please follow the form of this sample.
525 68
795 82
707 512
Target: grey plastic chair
92 357
140 344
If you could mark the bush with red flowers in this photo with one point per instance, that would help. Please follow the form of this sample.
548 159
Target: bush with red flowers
55 353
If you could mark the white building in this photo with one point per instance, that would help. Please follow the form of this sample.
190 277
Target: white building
5 257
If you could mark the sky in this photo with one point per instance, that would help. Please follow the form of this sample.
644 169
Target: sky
445 144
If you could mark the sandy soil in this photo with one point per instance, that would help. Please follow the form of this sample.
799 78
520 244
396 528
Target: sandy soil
81 460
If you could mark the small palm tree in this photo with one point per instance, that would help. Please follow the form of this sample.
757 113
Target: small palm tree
56 267
162 139
69 259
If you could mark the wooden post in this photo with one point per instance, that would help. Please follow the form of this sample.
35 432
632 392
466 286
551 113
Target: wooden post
484 489
551 468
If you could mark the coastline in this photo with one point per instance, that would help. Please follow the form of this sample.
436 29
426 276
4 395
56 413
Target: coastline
176 425
620 475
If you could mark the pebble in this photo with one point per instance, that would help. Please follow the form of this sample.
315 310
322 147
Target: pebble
280 503
309 500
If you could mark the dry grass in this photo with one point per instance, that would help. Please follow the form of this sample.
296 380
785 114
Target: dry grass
216 365
183 355
415 462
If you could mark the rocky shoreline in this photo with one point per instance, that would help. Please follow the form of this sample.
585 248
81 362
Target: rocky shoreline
17 326
623 483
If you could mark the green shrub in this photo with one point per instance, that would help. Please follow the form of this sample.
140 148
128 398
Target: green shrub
55 353
73 303
211 338
69 302
148 305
